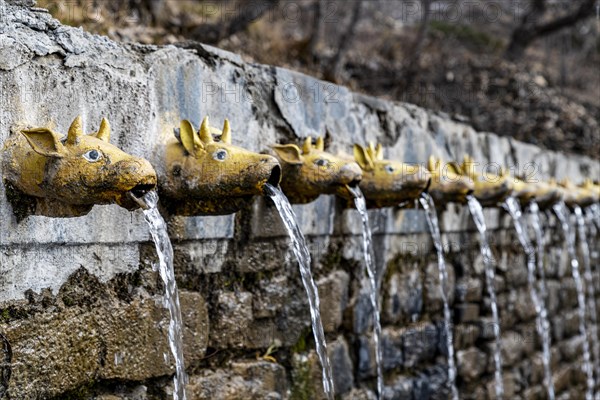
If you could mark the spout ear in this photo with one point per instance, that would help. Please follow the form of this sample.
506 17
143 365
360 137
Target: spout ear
190 141
226 135
205 135
104 131
320 143
363 158
290 153
45 142
75 131
307 146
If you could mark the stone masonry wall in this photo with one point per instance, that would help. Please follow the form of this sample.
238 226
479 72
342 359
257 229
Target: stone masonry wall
80 303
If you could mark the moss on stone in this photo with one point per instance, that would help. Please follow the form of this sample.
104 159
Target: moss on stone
301 379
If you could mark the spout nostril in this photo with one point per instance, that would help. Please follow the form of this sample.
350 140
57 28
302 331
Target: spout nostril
354 183
141 190
275 176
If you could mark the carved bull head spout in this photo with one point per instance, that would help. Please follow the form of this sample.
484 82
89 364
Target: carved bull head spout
447 182
310 172
206 175
388 183
65 176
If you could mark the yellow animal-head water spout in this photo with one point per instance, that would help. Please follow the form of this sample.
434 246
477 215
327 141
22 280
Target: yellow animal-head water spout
388 183
490 188
67 175
311 171
206 175
577 195
531 189
448 184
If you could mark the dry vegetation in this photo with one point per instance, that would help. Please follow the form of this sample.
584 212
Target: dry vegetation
528 68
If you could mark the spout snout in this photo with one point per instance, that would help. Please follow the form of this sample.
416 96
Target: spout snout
271 170
350 177
137 178
275 176
351 174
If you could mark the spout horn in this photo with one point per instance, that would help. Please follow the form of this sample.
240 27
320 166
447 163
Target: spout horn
205 134
104 131
226 135
379 152
75 131
432 163
320 144
307 147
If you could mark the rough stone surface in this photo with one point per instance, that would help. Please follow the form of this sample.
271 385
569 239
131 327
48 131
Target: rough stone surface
81 311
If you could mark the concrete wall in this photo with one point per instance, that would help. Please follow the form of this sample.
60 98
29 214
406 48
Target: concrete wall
80 301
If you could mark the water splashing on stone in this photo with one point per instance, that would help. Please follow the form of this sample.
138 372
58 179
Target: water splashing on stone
589 283
561 211
432 221
158 230
361 206
543 326
302 254
489 265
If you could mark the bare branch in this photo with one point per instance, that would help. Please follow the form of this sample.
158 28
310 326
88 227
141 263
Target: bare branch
528 30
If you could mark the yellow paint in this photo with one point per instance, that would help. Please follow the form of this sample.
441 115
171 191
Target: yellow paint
447 182
542 192
310 172
206 175
388 183
583 195
77 170
490 188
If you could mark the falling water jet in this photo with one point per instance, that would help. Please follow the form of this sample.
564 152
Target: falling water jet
591 292
361 206
534 213
489 263
511 204
158 230
561 211
302 254
432 222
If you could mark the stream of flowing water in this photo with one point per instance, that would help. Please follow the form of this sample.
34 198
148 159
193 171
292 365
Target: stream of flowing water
589 283
561 211
361 206
543 326
434 227
302 254
534 213
158 230
489 265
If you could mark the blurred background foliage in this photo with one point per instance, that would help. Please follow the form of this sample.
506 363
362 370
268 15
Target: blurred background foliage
529 69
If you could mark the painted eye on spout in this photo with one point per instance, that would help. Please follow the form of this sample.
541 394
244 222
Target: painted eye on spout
321 162
389 169
220 155
93 155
